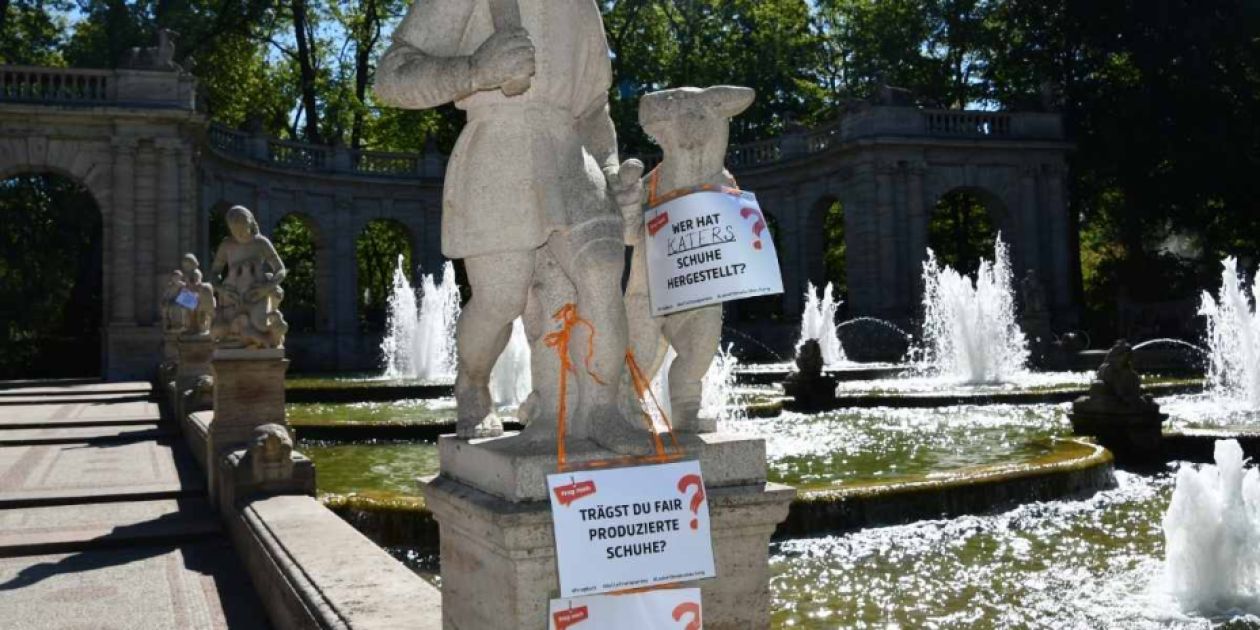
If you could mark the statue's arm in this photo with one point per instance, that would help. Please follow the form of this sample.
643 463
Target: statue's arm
273 260
422 68
600 136
219 264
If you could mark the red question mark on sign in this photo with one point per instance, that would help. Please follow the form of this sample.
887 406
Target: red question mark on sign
758 226
688 607
686 482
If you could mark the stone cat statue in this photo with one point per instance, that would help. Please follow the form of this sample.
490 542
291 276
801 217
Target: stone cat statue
692 127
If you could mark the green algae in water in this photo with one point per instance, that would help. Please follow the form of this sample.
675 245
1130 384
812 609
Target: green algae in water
805 451
885 444
413 411
379 471
1093 563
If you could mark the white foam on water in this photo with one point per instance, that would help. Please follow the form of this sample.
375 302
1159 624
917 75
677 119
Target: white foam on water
1212 537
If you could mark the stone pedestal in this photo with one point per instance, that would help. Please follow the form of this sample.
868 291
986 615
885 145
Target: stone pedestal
248 393
1136 438
811 394
192 368
498 546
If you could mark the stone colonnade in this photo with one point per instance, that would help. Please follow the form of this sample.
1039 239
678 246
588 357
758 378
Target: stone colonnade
157 171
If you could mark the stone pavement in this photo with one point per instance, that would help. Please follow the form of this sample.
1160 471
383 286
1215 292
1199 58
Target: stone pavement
104 521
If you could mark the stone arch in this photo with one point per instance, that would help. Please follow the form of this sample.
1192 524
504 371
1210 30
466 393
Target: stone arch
823 241
63 299
377 245
962 224
302 246
82 162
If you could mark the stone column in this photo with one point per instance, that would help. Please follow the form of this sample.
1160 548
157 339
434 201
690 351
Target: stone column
345 297
861 248
1028 248
886 241
146 235
790 253
919 217
123 300
1060 257
167 209
189 222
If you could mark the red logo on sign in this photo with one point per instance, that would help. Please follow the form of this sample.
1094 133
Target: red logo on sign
658 222
570 617
573 491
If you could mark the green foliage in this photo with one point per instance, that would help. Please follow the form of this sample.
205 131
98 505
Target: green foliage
961 231
376 252
834 246
294 239
767 45
50 278
1158 95
31 32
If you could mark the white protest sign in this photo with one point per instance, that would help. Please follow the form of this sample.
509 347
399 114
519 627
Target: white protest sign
708 247
665 608
626 528
187 299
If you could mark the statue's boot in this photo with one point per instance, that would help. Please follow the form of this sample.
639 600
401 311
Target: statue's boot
477 418
613 430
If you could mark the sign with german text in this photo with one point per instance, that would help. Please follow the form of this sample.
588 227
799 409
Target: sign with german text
667 608
709 247
626 528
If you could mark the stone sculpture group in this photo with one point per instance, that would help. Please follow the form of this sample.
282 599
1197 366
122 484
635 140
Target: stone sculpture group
240 307
540 208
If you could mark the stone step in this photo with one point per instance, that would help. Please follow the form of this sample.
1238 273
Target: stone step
194 586
36 388
85 381
67 528
60 474
89 434
79 414
61 398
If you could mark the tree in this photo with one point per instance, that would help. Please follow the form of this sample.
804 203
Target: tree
32 32
295 243
50 277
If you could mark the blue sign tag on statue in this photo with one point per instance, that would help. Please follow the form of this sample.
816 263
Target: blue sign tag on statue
187 299
708 247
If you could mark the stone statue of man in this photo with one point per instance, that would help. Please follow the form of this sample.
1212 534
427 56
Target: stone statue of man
535 172
247 273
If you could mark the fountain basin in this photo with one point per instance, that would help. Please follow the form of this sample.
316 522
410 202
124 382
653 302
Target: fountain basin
920 393
1065 469
355 388
774 373
1087 563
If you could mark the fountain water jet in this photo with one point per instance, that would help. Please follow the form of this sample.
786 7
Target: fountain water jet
420 342
510 380
718 399
1233 338
1212 536
818 321
970 330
